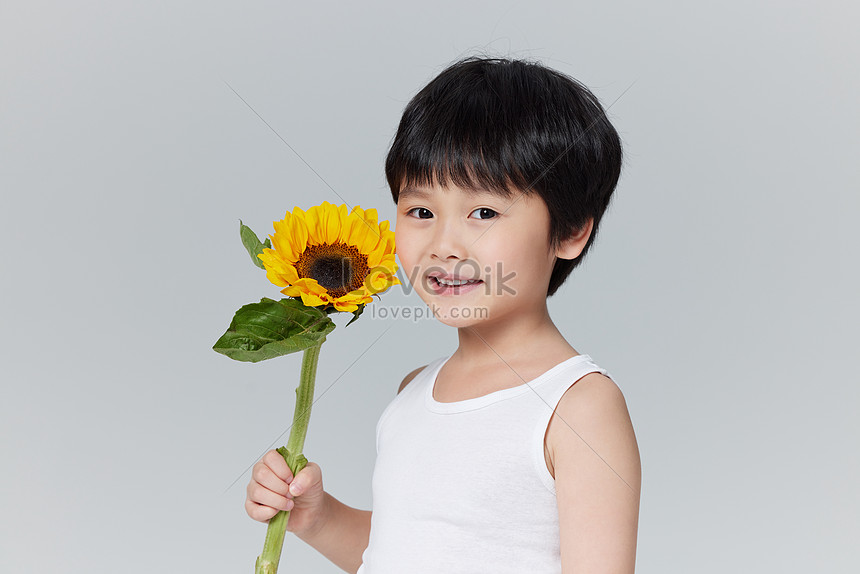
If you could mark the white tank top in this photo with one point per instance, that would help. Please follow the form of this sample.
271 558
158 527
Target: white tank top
462 487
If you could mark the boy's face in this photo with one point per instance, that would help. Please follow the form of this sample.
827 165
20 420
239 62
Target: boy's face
452 233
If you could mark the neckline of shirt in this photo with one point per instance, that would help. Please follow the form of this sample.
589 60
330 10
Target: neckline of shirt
479 402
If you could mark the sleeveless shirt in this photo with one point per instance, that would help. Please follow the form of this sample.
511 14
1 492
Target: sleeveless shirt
462 487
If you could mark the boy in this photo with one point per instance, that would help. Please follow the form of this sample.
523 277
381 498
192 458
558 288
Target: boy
515 453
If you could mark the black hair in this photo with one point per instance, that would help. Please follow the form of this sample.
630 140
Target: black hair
505 126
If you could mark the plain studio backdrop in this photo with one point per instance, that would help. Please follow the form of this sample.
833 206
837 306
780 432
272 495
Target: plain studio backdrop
721 292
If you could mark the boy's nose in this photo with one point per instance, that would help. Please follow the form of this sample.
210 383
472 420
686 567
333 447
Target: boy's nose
448 241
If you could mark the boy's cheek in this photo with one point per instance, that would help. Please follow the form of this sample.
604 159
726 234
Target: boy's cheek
410 274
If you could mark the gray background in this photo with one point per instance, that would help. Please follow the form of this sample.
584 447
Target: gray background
721 294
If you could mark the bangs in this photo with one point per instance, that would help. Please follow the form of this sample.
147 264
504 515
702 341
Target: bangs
477 136
457 162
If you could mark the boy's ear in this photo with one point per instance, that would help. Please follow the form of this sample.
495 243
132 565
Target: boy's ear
571 247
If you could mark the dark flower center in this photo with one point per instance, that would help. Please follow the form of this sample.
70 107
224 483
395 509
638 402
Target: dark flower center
338 268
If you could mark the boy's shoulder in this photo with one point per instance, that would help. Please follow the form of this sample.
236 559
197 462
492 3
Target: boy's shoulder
590 400
409 377
603 422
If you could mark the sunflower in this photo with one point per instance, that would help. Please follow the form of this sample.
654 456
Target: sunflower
327 256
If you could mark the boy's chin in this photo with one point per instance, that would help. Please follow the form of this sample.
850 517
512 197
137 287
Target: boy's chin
452 318
453 315
457 323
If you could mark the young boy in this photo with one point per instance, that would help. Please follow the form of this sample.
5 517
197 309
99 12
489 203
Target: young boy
515 453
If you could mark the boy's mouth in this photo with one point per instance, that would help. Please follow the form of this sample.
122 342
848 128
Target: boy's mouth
450 286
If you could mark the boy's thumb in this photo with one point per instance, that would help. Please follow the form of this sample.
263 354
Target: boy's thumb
305 476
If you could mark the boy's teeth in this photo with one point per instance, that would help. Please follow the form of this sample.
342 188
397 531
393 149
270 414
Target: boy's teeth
453 282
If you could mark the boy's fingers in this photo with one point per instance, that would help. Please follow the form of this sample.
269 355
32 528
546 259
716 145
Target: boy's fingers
258 511
276 462
266 497
273 473
264 476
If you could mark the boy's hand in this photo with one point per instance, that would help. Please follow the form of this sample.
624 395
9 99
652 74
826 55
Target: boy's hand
273 488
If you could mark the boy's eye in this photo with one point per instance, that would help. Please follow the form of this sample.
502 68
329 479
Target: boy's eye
424 213
486 213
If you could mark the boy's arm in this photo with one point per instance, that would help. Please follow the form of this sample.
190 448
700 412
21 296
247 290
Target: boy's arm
342 534
597 472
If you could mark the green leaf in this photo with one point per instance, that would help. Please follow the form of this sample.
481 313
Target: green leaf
270 329
355 315
296 462
252 244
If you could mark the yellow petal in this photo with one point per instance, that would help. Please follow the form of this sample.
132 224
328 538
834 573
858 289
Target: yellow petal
276 278
364 236
299 232
291 291
377 282
312 220
308 284
375 258
346 229
332 226
283 242
311 300
358 211
290 274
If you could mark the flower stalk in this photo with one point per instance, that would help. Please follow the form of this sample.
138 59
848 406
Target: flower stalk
267 562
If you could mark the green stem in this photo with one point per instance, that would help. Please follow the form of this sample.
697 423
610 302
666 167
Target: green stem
267 562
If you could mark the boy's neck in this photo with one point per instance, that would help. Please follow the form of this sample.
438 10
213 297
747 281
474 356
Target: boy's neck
517 338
